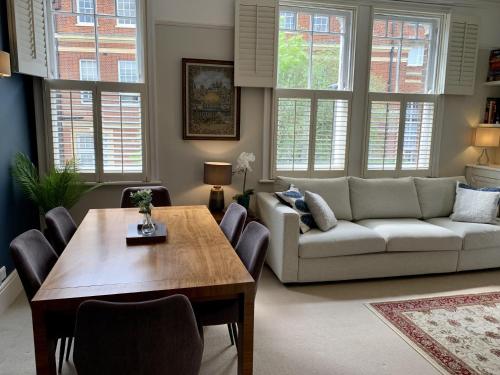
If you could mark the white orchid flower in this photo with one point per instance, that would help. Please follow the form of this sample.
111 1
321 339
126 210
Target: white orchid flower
244 160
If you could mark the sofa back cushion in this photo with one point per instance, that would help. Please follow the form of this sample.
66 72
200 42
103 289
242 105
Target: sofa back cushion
335 191
437 195
384 198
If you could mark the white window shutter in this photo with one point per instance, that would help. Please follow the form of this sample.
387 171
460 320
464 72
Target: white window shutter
463 43
27 37
256 39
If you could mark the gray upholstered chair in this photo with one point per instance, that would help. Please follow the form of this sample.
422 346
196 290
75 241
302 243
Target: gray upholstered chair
60 228
161 196
153 338
252 249
233 222
34 257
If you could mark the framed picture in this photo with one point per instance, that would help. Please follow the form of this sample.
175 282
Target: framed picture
210 102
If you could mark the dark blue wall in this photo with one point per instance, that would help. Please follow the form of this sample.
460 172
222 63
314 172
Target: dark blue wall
17 133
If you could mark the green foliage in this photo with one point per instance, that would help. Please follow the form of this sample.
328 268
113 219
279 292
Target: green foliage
142 199
57 188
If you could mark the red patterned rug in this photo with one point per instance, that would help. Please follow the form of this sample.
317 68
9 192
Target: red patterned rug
457 334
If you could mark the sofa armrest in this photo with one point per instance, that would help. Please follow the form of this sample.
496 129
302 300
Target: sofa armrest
283 223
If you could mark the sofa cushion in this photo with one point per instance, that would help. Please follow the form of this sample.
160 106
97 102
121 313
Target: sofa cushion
475 236
413 235
475 206
384 198
437 195
321 211
345 238
335 191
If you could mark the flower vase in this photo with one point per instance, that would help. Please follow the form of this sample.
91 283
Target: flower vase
148 227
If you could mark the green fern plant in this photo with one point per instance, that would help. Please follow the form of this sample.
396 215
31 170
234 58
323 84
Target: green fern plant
59 187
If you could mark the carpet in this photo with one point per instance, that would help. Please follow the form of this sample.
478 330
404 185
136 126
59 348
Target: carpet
459 335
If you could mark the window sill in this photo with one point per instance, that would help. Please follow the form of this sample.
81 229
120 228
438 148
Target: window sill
125 183
266 181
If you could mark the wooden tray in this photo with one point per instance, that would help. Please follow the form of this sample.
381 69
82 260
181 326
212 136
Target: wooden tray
135 237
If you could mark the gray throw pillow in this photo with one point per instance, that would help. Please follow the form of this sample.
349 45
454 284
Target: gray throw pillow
475 206
322 213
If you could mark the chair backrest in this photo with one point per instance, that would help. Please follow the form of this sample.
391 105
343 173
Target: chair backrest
252 248
60 228
34 258
161 196
155 337
233 221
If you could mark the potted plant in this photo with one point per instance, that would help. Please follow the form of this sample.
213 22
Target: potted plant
58 187
142 199
243 167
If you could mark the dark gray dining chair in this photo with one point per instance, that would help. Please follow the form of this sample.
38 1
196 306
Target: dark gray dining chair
252 249
60 228
153 338
33 258
233 222
161 196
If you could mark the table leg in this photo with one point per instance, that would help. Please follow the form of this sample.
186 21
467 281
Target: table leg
245 335
45 347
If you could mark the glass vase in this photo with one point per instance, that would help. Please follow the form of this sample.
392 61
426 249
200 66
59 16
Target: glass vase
148 227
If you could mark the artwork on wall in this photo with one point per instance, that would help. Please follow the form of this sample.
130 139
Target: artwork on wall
210 101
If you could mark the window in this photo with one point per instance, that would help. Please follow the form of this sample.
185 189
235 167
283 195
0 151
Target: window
321 24
312 100
85 7
97 93
288 20
88 72
403 94
126 10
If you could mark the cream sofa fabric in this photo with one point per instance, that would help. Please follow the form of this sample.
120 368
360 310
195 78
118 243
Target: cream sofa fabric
383 198
437 195
335 191
479 259
475 236
413 235
344 239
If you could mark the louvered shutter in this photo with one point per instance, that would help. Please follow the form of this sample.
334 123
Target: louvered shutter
27 37
463 41
256 39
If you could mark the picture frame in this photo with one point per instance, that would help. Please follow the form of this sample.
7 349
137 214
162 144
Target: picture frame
210 101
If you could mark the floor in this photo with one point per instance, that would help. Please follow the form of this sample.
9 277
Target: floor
310 329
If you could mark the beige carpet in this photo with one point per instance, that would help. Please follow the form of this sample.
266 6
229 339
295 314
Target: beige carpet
319 329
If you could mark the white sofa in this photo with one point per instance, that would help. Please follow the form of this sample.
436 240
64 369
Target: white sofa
387 227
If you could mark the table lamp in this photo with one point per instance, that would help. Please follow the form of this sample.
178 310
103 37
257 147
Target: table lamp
486 137
217 174
4 64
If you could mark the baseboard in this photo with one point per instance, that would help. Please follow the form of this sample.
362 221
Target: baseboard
9 290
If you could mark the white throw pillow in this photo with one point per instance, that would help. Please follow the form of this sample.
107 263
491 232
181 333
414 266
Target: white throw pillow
322 213
475 206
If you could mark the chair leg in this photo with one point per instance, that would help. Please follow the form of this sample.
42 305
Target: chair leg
62 347
235 333
230 329
68 350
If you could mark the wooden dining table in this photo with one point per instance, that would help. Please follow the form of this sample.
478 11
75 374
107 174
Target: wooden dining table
196 260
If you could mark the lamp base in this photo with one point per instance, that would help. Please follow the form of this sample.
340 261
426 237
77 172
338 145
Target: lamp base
216 200
484 158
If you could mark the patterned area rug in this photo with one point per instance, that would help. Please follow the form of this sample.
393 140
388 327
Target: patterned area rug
457 334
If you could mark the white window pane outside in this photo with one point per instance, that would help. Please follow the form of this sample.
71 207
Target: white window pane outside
127 10
88 72
288 20
416 56
417 142
85 7
321 24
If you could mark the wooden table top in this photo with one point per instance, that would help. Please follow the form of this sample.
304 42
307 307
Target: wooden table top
197 259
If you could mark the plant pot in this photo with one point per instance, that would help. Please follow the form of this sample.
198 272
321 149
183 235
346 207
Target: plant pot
243 200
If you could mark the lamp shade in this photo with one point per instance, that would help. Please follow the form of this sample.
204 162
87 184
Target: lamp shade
217 173
4 64
487 137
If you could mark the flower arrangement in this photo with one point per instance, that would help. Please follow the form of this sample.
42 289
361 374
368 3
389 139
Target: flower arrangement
243 167
143 199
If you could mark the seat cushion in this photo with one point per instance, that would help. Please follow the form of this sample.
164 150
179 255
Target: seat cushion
437 195
345 238
475 236
335 191
383 198
413 235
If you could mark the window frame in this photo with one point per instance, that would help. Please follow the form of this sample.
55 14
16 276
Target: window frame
83 96
124 18
81 14
404 98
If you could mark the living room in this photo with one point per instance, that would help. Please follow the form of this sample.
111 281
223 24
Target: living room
361 137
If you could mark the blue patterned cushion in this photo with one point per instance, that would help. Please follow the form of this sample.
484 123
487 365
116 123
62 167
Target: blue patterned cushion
490 189
294 198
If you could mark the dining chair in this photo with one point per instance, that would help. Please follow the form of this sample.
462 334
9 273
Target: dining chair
33 258
161 196
233 221
251 249
154 337
60 228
